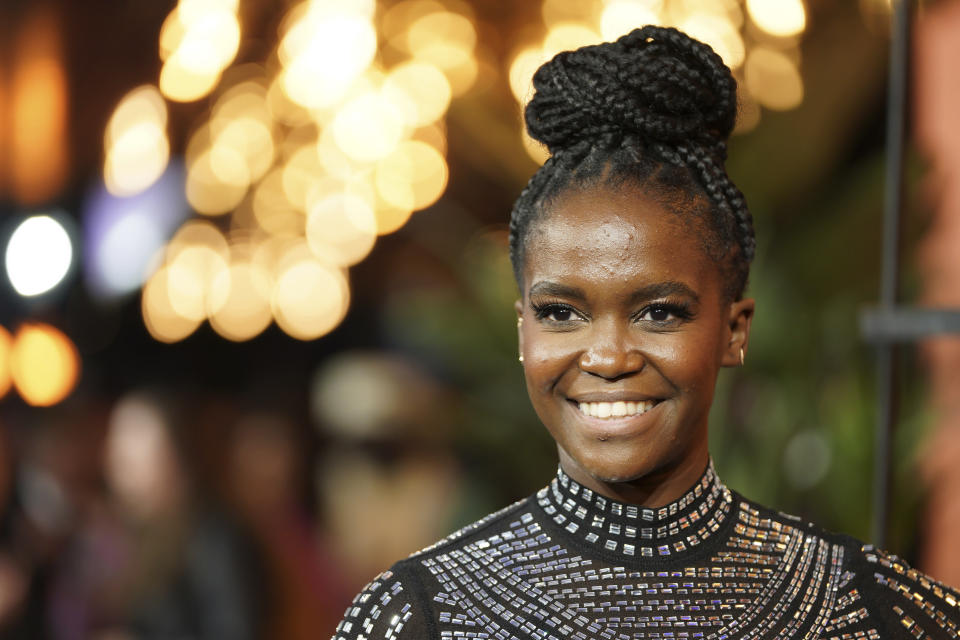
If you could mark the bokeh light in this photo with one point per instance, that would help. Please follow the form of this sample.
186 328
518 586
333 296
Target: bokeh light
342 227
421 92
44 364
38 108
123 236
565 36
242 295
161 319
718 32
773 79
217 181
778 17
368 127
319 149
623 16
6 345
38 256
136 148
324 49
198 40
413 176
310 297
196 257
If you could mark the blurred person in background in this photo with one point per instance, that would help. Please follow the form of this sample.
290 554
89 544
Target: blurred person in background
268 470
386 450
155 559
51 467
631 247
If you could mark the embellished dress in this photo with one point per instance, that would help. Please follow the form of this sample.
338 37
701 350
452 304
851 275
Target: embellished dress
568 563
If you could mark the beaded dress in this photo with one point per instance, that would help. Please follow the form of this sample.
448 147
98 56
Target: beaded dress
568 563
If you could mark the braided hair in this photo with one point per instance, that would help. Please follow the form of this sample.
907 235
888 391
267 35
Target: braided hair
655 107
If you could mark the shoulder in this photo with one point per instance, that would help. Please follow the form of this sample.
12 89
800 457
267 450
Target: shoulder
872 594
388 607
901 598
756 521
396 603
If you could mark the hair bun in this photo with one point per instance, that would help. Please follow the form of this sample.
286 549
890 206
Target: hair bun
656 83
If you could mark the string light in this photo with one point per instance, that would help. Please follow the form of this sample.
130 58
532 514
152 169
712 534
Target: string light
319 155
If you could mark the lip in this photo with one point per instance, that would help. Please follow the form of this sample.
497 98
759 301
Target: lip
613 427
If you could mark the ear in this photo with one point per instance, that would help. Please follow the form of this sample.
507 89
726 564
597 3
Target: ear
518 307
739 319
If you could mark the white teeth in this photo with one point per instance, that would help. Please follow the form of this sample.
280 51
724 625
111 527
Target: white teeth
617 409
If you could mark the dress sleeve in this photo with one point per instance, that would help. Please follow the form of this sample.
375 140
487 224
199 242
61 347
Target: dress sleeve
387 609
890 599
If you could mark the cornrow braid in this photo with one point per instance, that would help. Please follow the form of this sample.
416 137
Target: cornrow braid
655 107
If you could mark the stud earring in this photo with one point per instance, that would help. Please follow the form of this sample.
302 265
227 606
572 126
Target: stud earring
741 356
520 358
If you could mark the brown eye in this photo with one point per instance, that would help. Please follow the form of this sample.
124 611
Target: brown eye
557 314
659 314
664 314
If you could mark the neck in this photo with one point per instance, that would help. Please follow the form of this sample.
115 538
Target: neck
656 487
634 530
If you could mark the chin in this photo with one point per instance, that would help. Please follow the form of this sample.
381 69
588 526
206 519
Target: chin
616 468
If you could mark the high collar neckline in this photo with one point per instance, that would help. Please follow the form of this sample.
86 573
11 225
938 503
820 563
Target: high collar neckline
633 531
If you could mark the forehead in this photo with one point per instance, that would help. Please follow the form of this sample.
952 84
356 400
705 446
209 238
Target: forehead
617 233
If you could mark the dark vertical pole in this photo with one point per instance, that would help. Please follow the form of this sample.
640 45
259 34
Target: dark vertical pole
889 285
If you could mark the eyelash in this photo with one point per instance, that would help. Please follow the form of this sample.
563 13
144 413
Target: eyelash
679 311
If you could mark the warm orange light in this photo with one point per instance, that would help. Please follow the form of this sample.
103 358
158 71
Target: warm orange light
623 16
198 40
773 79
197 255
566 36
718 32
38 111
4 129
244 309
6 342
420 91
778 17
310 297
342 226
524 65
368 127
161 319
136 149
272 209
44 364
413 177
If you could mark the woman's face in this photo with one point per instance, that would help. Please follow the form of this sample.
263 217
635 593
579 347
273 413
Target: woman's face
623 329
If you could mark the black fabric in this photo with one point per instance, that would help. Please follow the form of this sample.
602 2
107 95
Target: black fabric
567 563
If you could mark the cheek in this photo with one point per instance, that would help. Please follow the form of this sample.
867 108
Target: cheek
548 361
690 361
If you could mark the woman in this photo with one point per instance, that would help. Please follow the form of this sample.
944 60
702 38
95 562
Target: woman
631 248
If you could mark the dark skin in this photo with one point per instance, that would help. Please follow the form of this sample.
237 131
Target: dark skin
621 304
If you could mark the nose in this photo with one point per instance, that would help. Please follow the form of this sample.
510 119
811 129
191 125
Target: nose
611 353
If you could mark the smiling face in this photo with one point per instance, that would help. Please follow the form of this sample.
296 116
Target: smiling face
624 328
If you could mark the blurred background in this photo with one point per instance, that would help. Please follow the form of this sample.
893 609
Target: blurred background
256 328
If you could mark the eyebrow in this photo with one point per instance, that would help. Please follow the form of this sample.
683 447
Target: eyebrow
648 292
664 289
